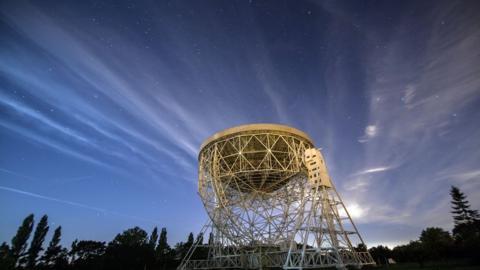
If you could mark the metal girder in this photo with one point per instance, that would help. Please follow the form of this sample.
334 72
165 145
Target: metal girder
272 204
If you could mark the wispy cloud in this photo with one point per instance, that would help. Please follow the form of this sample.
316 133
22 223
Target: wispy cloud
139 113
370 132
104 81
38 196
74 204
374 170
39 117
140 103
467 176
409 94
416 102
17 174
55 145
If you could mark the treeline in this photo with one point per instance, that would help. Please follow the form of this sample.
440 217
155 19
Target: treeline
136 249
131 249
440 246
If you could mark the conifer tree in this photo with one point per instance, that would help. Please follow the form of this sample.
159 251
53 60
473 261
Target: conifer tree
461 208
152 242
186 247
37 242
19 241
190 240
73 248
199 239
54 250
163 247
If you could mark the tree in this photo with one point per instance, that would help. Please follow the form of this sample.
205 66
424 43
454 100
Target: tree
19 241
163 247
129 250
199 240
189 242
72 254
131 237
400 253
461 208
201 251
412 252
4 250
181 249
467 225
37 242
53 247
380 254
55 256
87 255
153 238
163 251
6 260
436 243
416 252
361 247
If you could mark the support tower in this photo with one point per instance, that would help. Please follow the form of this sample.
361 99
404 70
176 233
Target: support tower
271 204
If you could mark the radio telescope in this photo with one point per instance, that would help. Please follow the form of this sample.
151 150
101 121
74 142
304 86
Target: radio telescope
271 204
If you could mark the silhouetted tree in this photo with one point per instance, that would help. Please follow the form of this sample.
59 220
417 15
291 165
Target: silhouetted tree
412 252
201 251
163 251
72 254
19 241
199 240
182 248
153 238
400 253
417 252
361 247
6 259
135 249
55 256
189 241
461 208
129 250
37 242
163 247
380 254
466 231
87 255
436 243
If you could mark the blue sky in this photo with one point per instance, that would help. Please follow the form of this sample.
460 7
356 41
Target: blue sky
104 105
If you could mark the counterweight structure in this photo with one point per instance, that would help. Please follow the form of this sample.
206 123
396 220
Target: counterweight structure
271 204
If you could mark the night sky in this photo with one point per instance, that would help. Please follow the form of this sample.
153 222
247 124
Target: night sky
104 105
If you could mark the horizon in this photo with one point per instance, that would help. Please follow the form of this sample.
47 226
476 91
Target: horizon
104 106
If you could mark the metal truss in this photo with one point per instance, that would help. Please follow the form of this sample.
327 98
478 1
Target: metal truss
327 234
271 204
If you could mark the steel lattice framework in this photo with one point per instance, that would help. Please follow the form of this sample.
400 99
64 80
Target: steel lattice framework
271 204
